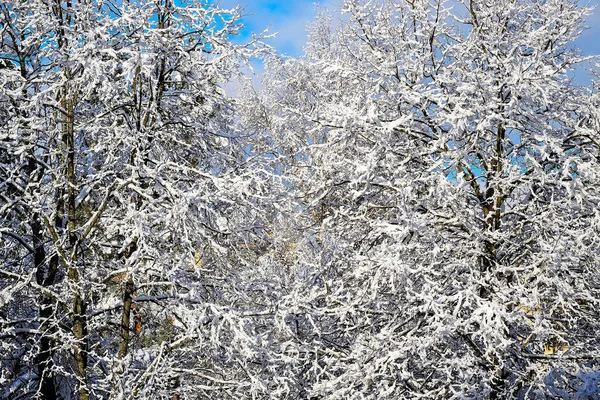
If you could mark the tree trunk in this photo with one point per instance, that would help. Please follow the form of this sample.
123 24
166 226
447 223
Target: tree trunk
79 306
125 318
44 277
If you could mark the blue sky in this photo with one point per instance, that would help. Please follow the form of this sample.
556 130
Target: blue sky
590 40
290 17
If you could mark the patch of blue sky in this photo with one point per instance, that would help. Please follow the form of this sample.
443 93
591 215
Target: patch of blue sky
589 43
290 17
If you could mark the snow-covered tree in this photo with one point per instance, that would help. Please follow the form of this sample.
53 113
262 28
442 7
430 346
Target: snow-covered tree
409 210
128 204
444 161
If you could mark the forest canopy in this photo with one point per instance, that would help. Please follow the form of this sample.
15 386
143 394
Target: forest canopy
408 210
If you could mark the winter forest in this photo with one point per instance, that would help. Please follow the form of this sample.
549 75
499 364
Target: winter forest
408 210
